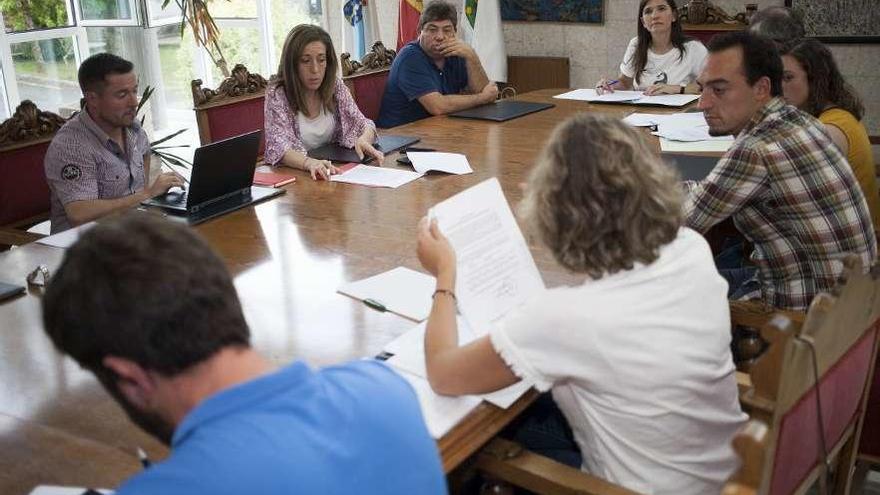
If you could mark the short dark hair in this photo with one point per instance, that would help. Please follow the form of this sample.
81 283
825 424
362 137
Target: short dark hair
826 84
143 288
778 23
760 57
93 71
438 10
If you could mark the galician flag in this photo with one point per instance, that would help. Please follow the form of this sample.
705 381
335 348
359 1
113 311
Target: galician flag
479 25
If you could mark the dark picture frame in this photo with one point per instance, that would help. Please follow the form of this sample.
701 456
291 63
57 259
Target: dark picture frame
568 11
841 21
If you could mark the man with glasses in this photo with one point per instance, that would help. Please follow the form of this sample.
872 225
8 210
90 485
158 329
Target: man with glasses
436 74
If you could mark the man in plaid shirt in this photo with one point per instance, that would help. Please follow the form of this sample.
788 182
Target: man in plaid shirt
790 191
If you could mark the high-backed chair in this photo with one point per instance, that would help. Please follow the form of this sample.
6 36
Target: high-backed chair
24 192
811 385
366 79
234 108
750 445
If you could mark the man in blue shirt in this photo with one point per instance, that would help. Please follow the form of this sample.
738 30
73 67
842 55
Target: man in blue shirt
435 75
148 307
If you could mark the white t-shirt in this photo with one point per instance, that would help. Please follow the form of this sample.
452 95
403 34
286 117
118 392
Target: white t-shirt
666 68
318 131
640 364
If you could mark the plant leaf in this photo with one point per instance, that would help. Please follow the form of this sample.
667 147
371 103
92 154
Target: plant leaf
166 138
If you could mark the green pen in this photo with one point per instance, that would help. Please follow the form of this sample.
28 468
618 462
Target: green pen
375 304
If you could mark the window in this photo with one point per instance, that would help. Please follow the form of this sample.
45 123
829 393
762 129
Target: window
157 16
107 10
25 15
285 14
45 72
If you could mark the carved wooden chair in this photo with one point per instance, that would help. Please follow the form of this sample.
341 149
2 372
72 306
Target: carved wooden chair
234 108
24 192
811 385
366 79
750 445
751 316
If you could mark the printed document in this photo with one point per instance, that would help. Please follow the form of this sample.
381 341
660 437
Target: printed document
630 97
66 238
496 272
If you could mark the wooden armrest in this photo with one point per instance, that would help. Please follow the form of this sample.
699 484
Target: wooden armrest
743 382
508 461
756 314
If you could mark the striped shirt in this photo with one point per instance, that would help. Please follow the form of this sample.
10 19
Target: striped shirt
83 163
794 197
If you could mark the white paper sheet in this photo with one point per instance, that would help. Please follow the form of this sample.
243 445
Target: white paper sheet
441 413
367 175
409 357
632 97
401 290
641 119
496 272
695 146
64 490
67 238
451 163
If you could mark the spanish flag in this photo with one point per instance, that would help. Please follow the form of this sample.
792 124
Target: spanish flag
408 21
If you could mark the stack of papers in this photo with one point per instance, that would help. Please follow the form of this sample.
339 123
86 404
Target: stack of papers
367 175
402 291
629 97
452 163
681 131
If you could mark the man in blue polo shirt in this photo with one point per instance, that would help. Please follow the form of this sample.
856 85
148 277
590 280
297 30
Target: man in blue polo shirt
148 307
435 75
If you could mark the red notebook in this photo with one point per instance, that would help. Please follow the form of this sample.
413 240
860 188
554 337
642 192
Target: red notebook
272 179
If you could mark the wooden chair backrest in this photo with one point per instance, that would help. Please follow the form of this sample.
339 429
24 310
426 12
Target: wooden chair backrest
842 329
750 445
24 139
234 108
366 79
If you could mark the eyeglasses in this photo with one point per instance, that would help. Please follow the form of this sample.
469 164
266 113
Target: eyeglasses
39 276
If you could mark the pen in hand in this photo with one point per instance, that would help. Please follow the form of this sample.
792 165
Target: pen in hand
142 456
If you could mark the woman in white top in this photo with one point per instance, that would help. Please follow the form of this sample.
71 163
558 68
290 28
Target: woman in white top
307 106
660 59
637 356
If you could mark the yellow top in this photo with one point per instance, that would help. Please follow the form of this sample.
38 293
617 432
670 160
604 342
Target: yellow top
859 156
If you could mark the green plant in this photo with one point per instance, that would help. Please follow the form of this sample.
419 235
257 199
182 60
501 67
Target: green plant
161 151
204 29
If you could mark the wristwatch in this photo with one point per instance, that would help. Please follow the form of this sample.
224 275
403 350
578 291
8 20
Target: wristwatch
681 91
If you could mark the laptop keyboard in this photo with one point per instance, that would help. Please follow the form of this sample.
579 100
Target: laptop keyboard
176 197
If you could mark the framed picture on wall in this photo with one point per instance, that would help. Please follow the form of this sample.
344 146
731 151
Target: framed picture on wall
841 21
587 11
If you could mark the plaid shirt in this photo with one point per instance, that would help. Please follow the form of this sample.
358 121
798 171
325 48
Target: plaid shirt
793 195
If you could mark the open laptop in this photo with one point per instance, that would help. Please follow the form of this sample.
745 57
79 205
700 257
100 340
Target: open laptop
502 110
335 153
691 167
221 181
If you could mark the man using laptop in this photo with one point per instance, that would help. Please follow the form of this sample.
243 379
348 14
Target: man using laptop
162 329
436 74
99 161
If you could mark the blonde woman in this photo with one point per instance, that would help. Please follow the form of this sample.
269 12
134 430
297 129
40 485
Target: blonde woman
637 356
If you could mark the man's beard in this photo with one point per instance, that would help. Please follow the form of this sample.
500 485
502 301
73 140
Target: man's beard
150 422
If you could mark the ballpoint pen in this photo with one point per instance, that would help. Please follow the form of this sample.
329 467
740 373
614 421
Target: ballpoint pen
142 456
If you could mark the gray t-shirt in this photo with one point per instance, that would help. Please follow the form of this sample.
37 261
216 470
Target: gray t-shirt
84 163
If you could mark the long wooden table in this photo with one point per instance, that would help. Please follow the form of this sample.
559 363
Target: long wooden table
288 256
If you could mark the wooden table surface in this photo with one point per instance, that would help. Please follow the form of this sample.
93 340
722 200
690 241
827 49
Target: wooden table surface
288 256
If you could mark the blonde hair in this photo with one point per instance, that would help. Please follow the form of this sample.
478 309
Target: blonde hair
601 199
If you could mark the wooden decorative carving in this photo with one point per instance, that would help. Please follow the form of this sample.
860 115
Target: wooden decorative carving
705 12
240 83
378 58
29 123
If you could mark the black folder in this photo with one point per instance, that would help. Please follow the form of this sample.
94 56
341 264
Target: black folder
502 110
335 153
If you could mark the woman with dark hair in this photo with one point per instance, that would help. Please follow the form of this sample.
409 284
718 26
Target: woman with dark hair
307 106
812 82
637 355
660 59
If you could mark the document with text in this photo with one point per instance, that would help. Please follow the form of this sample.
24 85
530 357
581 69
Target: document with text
451 163
367 175
496 272
629 97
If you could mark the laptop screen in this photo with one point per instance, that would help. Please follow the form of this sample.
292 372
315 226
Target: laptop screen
223 167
